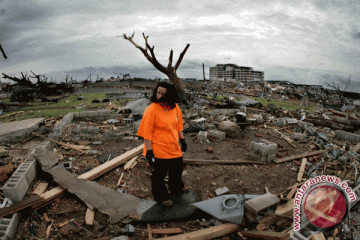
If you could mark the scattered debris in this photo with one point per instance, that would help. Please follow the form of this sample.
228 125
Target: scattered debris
245 164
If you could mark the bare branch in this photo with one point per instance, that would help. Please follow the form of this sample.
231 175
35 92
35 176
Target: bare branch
155 62
131 40
146 41
170 59
3 52
181 57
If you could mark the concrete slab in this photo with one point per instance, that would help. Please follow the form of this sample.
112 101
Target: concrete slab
13 132
229 208
181 209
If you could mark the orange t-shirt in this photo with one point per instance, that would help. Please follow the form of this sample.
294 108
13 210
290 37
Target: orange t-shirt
162 129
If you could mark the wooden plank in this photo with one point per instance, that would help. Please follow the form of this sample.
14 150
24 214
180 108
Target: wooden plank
89 217
286 138
92 174
227 162
165 231
266 235
149 230
20 205
100 170
75 147
302 169
130 163
208 233
285 208
120 178
351 117
292 192
40 188
294 157
318 236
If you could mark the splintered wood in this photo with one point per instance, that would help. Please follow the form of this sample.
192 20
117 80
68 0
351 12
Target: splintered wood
89 217
302 169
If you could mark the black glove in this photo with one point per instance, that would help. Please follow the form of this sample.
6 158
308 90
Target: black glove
183 145
150 158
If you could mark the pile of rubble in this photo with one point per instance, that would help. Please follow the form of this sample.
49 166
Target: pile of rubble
322 142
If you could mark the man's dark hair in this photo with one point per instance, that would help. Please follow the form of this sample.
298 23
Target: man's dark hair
171 96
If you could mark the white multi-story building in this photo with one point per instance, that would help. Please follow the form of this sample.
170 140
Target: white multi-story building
234 73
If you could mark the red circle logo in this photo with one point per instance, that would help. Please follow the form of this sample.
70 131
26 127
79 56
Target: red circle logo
325 206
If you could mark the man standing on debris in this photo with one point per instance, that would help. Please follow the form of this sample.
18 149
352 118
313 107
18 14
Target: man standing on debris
161 127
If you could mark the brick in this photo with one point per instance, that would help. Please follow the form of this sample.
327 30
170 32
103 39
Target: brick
263 147
68 165
318 142
311 131
354 155
291 121
210 126
259 204
84 114
28 168
202 136
350 137
76 114
217 134
16 187
278 122
199 121
136 125
305 125
221 191
357 148
127 120
93 113
256 157
8 226
299 136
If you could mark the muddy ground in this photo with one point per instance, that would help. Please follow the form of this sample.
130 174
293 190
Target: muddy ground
203 179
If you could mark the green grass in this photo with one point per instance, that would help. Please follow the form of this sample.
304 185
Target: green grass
63 107
288 104
218 97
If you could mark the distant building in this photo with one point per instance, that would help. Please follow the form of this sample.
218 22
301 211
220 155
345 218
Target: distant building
234 73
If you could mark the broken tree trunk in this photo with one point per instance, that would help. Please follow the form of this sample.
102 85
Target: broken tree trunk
169 71
92 174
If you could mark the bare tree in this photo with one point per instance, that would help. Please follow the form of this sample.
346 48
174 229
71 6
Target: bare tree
340 86
169 71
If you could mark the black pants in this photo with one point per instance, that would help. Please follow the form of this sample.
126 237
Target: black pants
176 185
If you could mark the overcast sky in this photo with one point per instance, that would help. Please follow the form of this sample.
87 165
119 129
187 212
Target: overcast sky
304 41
